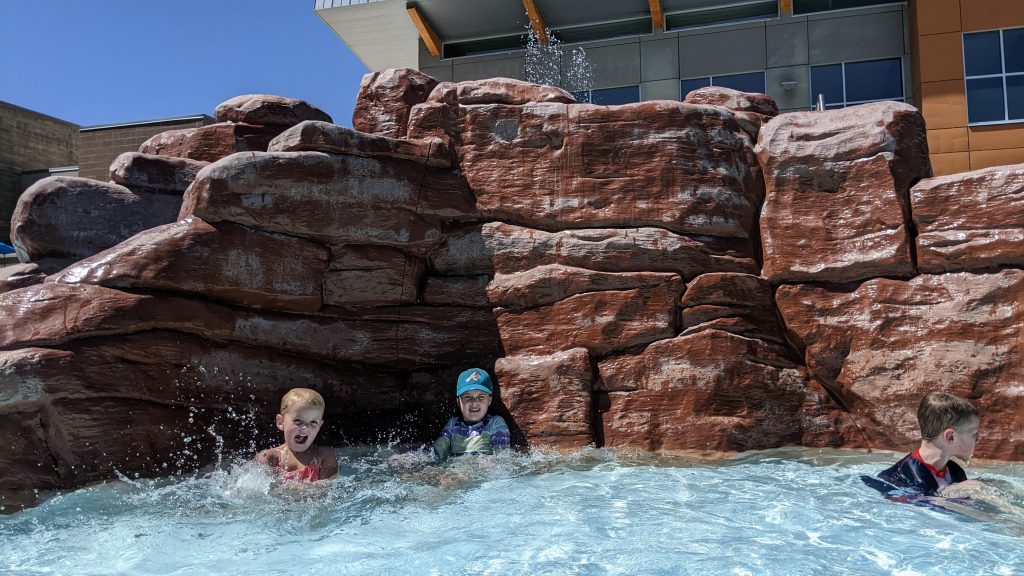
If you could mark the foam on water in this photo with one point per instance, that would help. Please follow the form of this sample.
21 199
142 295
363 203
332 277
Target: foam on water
594 512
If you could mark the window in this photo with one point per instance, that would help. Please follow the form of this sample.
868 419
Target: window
810 6
736 12
609 96
745 82
994 76
850 83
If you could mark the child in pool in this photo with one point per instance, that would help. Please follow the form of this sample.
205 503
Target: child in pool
949 429
473 431
300 419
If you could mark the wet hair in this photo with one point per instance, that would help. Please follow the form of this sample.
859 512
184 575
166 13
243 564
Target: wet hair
302 397
940 411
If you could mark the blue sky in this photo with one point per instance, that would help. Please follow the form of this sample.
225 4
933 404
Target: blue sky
110 61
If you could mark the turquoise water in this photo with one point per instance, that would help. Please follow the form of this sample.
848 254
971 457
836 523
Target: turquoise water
796 511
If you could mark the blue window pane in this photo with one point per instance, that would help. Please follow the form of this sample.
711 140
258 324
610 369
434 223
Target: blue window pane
747 82
985 100
582 97
874 80
1013 49
981 53
613 96
1015 97
687 86
827 80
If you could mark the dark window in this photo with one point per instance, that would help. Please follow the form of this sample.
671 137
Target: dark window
748 82
994 75
808 6
687 86
751 10
609 96
613 96
745 82
828 81
981 54
851 83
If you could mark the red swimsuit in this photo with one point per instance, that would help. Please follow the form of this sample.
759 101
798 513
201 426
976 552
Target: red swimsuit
310 473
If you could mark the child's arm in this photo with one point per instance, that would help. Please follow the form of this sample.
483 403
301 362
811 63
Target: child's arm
329 464
442 446
270 457
501 439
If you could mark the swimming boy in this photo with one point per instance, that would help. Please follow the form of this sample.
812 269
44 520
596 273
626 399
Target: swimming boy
474 431
300 419
949 429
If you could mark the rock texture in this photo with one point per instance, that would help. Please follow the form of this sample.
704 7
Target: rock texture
638 276
970 221
837 192
67 217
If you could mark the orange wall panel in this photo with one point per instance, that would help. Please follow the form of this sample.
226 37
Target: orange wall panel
997 137
986 158
944 104
948 140
954 163
937 16
941 57
988 14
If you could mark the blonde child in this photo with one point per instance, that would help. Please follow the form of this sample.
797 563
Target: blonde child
300 420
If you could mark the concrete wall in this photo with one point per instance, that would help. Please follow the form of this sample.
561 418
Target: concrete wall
29 141
99 146
783 47
937 29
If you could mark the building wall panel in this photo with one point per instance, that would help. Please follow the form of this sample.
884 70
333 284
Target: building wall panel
941 57
953 163
857 37
987 158
989 14
726 52
943 104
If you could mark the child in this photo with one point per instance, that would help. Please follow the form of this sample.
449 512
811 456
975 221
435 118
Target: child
302 414
949 428
474 431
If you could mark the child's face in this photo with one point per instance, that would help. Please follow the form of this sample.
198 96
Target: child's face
300 425
473 405
965 437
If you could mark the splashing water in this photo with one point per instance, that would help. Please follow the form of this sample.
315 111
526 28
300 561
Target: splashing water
544 64
796 511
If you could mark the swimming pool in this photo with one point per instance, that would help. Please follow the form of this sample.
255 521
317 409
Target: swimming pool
792 511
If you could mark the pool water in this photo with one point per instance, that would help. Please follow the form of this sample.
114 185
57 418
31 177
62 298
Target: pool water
793 511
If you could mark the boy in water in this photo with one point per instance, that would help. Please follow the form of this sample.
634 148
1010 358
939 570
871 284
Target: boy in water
300 419
949 428
474 431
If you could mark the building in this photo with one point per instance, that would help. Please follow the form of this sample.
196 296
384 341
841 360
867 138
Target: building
30 142
844 51
98 146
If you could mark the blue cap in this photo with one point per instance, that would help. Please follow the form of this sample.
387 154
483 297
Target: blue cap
473 379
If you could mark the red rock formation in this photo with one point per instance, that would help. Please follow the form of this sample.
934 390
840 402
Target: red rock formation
550 396
970 221
146 172
66 217
385 99
225 261
605 261
212 142
884 343
268 110
837 182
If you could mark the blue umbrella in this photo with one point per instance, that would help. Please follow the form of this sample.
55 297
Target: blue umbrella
5 249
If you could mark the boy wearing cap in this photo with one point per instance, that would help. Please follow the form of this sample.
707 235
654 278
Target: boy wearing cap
474 431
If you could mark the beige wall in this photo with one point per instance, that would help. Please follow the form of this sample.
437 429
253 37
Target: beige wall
29 141
98 147
937 28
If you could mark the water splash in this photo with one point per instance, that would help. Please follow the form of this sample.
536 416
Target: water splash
547 63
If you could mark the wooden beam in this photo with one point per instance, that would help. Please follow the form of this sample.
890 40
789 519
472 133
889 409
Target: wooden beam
536 20
657 14
426 32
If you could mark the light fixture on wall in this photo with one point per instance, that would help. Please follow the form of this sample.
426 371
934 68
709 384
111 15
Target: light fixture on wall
788 85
